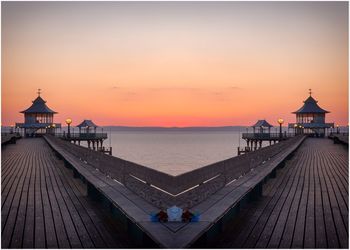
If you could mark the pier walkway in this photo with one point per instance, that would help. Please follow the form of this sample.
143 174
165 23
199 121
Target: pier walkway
306 206
43 206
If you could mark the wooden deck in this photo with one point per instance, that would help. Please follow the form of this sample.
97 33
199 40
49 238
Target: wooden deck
43 206
306 206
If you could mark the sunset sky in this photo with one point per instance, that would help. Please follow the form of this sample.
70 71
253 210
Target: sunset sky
174 63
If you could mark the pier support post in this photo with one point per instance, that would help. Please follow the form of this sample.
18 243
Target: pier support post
273 174
256 192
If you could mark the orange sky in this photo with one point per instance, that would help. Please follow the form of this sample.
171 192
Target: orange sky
174 64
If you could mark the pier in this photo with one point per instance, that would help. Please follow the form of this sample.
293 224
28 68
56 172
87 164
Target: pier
43 206
147 190
80 183
306 206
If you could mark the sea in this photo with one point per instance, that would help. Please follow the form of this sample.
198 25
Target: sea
174 150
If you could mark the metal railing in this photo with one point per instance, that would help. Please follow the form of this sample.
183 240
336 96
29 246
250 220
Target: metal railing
266 136
82 136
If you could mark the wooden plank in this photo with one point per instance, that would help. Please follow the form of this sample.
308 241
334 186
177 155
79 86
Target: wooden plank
10 209
332 239
310 230
8 190
69 201
287 236
64 212
39 229
335 208
276 234
338 189
320 227
99 235
61 233
298 237
253 220
50 231
9 165
29 230
271 215
17 239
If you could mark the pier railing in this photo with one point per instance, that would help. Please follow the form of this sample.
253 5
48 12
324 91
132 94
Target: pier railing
267 136
209 179
82 136
163 189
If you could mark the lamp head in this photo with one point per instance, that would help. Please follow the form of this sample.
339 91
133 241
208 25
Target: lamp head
295 125
68 121
280 121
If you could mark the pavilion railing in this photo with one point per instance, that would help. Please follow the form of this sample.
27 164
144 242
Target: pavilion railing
82 136
266 136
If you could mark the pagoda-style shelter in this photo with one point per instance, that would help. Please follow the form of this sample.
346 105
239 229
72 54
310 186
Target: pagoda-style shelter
38 118
87 132
87 125
311 119
261 132
262 126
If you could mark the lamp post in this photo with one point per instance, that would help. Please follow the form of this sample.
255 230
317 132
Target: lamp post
68 121
280 122
54 128
295 129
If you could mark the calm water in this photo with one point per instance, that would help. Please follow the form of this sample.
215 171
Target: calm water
175 152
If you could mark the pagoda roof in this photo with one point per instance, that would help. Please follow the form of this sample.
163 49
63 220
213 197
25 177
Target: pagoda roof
262 123
310 106
39 106
87 123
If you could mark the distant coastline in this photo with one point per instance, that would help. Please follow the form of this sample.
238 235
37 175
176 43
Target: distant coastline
188 129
